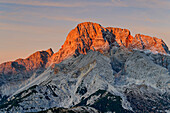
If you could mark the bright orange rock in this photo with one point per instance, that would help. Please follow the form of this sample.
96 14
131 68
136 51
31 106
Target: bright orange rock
84 37
24 66
144 42
129 40
119 35
92 36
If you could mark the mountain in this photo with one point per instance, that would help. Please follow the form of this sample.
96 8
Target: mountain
97 69
92 36
13 73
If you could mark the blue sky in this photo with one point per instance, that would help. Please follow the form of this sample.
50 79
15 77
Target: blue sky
30 25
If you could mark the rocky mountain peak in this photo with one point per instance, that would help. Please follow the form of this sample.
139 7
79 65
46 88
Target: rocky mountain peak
92 36
35 61
120 36
84 37
50 52
144 42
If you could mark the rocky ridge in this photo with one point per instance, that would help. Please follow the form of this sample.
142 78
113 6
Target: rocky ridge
33 62
13 73
92 36
86 36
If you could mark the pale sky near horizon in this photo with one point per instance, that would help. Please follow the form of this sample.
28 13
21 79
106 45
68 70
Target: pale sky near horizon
27 26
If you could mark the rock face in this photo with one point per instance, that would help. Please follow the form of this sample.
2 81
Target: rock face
84 37
120 36
139 66
13 73
33 62
153 44
92 36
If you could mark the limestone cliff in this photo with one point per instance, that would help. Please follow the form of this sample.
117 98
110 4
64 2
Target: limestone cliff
92 36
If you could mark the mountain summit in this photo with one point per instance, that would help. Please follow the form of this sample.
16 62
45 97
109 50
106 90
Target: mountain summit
92 36
96 70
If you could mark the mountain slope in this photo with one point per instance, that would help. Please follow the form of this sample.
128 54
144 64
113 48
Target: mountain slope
69 82
13 73
74 81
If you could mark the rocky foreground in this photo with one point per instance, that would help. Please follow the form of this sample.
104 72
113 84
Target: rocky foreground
96 70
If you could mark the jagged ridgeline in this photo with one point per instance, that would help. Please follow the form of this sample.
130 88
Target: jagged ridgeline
96 70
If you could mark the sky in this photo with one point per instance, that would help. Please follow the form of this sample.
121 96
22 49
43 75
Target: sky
27 26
